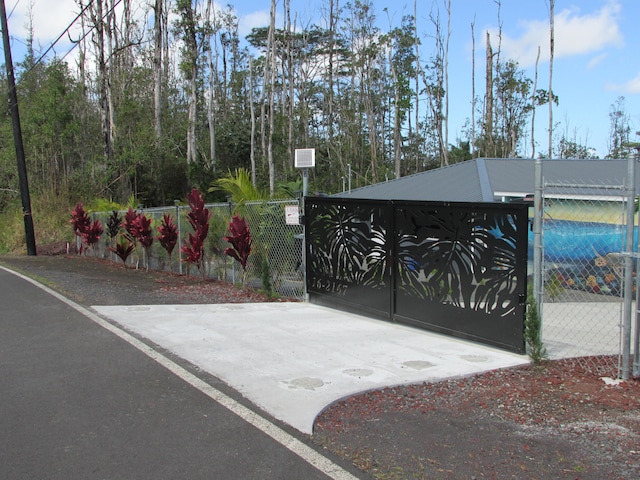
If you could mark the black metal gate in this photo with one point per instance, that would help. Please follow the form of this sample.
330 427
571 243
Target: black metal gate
455 268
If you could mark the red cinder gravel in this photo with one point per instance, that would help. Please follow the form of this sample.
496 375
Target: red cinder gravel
558 420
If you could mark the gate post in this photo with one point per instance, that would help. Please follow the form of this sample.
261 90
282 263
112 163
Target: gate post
628 272
537 238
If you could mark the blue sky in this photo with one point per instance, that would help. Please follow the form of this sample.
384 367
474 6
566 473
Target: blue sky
596 50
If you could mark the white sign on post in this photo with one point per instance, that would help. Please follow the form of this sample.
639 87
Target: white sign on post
292 215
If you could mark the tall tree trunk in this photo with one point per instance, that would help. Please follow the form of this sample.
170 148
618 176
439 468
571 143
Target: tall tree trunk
112 39
103 80
165 46
291 85
272 83
333 6
191 73
82 51
158 36
192 116
264 94
396 120
488 101
473 88
551 53
371 127
372 122
435 90
418 156
533 109
82 74
252 110
211 104
445 66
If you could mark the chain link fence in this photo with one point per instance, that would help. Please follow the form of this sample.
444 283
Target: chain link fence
584 232
584 237
275 262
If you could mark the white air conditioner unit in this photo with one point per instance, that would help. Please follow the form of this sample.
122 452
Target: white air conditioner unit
305 157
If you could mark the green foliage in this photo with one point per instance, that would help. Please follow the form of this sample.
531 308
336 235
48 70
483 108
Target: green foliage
347 92
267 285
533 331
239 187
513 104
460 153
291 189
50 219
106 205
571 149
218 224
619 130
12 234
553 287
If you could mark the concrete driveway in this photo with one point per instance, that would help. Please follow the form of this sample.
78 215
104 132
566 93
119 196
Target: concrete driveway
295 359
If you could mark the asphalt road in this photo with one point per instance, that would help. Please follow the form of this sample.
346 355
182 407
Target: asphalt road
78 401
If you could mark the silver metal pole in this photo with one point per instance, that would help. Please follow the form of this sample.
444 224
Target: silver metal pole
537 236
176 203
305 183
628 272
636 341
305 192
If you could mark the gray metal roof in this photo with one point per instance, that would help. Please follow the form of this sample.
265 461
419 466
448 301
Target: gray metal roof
490 179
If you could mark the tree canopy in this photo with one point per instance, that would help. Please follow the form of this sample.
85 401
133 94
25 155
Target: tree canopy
153 109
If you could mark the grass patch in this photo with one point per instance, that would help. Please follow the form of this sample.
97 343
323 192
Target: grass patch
51 216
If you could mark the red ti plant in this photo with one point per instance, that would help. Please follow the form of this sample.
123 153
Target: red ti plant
83 227
92 235
168 235
124 247
113 224
198 217
138 226
194 251
130 224
113 228
240 239
142 232
80 221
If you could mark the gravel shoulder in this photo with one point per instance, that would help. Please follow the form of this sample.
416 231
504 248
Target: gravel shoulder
558 420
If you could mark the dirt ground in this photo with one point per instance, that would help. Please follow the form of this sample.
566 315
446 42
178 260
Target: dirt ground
558 420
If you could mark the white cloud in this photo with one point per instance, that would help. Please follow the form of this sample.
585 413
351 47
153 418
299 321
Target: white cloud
630 87
50 19
595 61
253 20
575 34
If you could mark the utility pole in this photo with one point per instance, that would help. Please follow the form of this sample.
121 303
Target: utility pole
17 137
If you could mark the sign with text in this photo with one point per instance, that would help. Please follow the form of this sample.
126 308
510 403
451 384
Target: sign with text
292 215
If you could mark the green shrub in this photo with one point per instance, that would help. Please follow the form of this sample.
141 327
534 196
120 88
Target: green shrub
533 330
50 222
